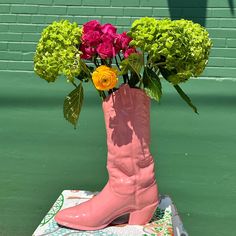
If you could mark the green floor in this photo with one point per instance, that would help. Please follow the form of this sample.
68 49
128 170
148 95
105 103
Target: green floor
41 154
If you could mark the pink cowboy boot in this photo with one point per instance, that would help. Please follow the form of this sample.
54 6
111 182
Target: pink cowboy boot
132 187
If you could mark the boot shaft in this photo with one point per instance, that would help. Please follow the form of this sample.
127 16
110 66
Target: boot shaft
127 118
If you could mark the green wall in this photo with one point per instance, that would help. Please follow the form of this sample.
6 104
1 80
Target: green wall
41 154
194 154
21 22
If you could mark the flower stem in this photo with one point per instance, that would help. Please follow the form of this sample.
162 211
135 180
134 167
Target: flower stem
102 94
126 78
141 82
120 57
104 62
96 63
74 84
110 62
117 63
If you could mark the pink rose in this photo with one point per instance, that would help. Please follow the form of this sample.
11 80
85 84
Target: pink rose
88 52
106 50
118 43
91 25
91 38
108 38
125 40
129 51
108 29
122 41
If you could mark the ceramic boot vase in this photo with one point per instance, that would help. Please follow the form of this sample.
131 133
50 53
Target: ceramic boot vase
131 188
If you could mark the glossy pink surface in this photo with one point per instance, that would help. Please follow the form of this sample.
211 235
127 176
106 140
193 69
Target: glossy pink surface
131 188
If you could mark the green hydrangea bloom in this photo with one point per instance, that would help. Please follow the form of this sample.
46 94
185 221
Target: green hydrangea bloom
180 47
57 51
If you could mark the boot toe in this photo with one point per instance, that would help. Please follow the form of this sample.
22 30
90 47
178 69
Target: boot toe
74 217
63 218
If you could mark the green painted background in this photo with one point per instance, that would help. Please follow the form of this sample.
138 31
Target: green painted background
41 154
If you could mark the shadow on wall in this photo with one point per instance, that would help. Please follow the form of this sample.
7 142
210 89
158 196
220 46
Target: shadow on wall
192 10
231 5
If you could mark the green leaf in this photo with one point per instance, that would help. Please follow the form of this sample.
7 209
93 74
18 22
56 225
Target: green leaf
83 76
85 69
185 97
134 79
152 84
167 73
124 67
72 105
133 63
136 62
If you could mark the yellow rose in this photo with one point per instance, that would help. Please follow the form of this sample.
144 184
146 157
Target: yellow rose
105 78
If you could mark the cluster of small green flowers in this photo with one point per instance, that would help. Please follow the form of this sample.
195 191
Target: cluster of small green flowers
57 51
180 48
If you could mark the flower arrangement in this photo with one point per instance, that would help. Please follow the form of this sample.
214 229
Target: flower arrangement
152 51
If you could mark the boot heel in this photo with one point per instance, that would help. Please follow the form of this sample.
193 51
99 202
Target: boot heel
142 216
